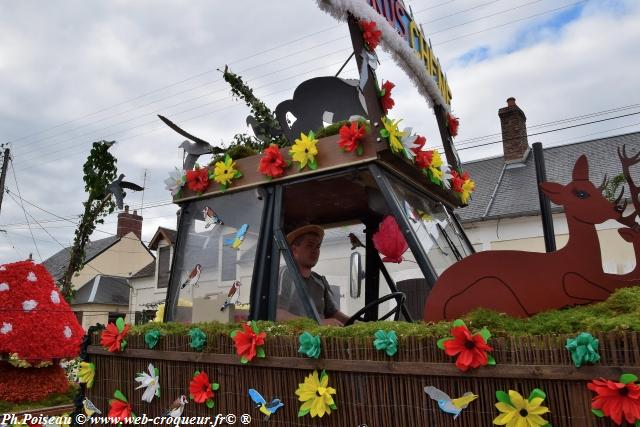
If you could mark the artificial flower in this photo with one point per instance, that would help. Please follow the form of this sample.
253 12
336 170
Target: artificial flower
462 184
87 373
224 172
249 343
516 411
119 408
453 123
113 336
393 134
271 163
152 337
409 144
175 181
430 162
616 400
471 350
387 341
197 339
150 382
304 151
309 345
418 145
390 241
316 395
198 179
370 34
583 349
201 390
385 96
350 136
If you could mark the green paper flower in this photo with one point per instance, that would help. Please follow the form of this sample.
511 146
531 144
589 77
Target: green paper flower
152 337
309 345
386 341
583 349
197 339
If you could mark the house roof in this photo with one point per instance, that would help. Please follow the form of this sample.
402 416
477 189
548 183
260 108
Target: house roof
57 263
146 271
511 190
101 289
162 233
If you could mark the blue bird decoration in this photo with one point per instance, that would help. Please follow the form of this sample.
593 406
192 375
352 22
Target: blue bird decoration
239 237
267 409
447 404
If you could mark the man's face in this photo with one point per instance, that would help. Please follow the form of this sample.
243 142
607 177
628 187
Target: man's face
307 252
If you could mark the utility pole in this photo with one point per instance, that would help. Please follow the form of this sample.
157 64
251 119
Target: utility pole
5 163
144 185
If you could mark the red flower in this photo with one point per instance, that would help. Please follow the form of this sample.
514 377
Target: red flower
198 179
111 339
200 388
271 163
370 34
119 410
390 241
458 180
616 400
387 101
471 349
246 342
424 158
350 136
453 123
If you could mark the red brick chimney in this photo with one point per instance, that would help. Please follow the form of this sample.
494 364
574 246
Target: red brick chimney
514 132
129 222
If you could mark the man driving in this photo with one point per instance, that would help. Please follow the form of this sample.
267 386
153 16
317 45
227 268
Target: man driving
305 246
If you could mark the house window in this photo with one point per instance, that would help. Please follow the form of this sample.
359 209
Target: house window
113 316
164 266
229 260
78 316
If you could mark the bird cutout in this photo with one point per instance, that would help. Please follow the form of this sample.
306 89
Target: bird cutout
232 296
192 150
355 242
193 277
447 404
239 237
90 408
175 411
210 217
267 409
116 187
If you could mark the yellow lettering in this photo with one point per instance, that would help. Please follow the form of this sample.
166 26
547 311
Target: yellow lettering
414 33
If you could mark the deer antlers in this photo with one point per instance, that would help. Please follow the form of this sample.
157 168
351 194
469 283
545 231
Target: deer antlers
627 162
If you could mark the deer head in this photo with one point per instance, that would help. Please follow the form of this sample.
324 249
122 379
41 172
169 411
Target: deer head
581 200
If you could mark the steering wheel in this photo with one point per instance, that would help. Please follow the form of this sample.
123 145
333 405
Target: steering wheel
400 298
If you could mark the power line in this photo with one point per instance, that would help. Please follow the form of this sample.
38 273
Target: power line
461 11
23 209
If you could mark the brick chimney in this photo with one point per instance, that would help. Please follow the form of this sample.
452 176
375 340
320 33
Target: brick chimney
129 222
514 132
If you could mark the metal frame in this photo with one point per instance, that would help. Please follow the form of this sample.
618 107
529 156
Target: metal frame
171 300
262 270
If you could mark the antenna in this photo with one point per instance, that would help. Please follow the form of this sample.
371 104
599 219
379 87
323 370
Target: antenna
144 185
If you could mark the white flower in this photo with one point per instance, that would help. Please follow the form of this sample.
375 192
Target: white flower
4 287
55 297
32 277
175 181
408 144
151 382
29 305
6 328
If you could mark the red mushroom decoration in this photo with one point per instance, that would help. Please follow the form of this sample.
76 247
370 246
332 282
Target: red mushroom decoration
37 328
389 240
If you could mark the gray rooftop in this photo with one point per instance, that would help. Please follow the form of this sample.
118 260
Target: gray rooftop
57 264
146 271
104 290
516 194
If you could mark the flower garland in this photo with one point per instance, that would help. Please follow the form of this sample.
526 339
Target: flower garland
472 351
304 151
583 349
201 389
462 184
452 124
250 342
350 137
224 172
198 179
385 97
516 411
370 34
393 134
272 165
316 395
617 400
112 338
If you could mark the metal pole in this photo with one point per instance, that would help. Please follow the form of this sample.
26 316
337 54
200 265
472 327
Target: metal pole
5 163
545 204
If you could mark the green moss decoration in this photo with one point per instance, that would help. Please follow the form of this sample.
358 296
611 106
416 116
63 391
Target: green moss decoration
197 339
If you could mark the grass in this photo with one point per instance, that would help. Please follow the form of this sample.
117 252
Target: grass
55 399
621 312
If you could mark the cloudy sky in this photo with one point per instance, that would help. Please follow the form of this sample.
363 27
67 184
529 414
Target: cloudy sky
74 72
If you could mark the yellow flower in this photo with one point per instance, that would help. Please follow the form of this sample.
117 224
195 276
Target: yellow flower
467 189
394 134
521 412
435 166
86 373
316 395
304 151
224 172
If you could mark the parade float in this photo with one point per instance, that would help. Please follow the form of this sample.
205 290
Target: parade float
391 201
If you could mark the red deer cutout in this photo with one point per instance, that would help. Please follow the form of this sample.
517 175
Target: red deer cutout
524 283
